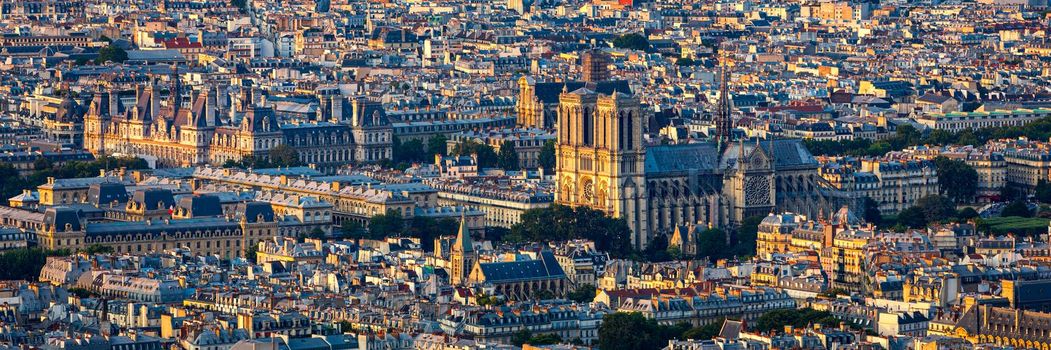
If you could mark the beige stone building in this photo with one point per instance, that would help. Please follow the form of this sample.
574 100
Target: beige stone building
604 164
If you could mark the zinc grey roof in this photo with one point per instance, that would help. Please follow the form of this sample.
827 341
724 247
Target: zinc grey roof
147 227
787 153
700 157
545 267
107 192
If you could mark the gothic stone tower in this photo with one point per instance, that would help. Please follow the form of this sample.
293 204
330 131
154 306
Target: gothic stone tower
462 255
601 157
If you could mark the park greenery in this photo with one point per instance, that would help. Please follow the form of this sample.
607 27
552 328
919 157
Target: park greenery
281 156
407 152
507 158
648 334
956 180
487 157
632 41
547 158
561 223
584 293
25 263
527 337
393 224
111 53
12 183
1014 225
798 318
906 136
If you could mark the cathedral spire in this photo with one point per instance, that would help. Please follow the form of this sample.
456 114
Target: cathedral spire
723 119
463 236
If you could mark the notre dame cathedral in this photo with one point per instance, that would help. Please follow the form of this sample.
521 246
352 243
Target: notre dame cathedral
604 163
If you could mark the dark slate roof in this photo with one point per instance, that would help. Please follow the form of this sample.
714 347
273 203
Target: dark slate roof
157 227
549 92
60 216
201 205
252 211
699 157
787 153
154 198
101 194
545 267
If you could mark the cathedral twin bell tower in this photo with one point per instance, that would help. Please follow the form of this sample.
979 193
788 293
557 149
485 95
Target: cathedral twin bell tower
602 163
601 158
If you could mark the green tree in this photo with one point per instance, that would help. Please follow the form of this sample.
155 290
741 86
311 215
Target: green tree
936 208
111 53
870 211
317 233
1017 208
352 229
1043 192
632 41
427 229
797 318
704 332
747 234
284 156
97 249
25 263
912 217
386 224
10 181
487 158
967 213
907 136
486 300
251 253
411 151
437 145
521 337
508 156
560 223
684 61
956 179
712 244
544 339
81 292
582 294
628 331
42 164
546 158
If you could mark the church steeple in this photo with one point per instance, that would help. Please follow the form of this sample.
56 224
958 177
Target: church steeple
462 255
463 236
723 118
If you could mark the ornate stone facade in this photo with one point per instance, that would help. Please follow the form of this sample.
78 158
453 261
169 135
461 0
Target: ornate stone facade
223 124
603 164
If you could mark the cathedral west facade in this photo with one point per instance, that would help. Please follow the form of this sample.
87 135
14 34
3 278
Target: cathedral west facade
604 163
229 123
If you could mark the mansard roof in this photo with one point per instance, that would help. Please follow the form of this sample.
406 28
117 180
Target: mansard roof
107 192
542 268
